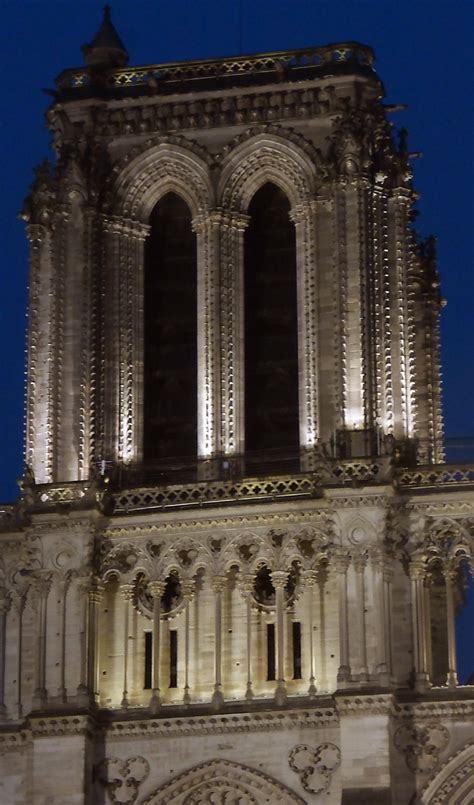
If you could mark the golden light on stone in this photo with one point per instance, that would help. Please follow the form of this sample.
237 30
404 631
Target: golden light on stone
228 624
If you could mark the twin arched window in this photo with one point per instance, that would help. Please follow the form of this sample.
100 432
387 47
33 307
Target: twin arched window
170 332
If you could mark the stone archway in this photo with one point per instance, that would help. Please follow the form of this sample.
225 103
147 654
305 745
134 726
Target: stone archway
222 782
454 783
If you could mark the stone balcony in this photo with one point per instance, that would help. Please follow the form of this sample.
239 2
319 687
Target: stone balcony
133 488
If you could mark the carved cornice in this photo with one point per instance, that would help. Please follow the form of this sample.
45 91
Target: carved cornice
14 741
62 725
441 711
320 517
221 724
356 705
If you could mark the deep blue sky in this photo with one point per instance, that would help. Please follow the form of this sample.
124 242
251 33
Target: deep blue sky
424 55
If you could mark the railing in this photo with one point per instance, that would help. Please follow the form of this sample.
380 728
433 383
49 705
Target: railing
212 493
435 475
343 53
266 476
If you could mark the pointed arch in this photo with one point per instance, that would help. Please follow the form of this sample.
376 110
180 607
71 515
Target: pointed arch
213 781
160 169
266 157
139 185
454 783
275 159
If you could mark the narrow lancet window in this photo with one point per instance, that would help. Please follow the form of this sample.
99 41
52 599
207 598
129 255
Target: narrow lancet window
173 659
270 651
148 660
296 628
170 349
271 329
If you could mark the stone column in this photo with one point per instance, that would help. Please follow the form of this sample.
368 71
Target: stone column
322 580
218 585
4 607
95 595
156 589
359 563
42 354
279 581
410 407
82 591
187 586
247 588
427 586
310 578
126 591
381 619
232 333
63 588
418 603
208 230
303 216
123 340
19 603
387 592
341 565
40 696
450 580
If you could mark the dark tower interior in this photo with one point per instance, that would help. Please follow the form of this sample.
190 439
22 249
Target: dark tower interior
170 394
271 328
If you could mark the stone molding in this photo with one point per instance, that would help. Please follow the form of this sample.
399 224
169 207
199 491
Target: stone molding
316 718
448 783
455 710
62 725
122 778
421 745
315 766
356 705
14 741
214 781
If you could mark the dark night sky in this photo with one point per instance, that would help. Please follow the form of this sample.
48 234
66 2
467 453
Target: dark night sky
424 55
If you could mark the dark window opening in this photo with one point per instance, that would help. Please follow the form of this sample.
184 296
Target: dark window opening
148 660
170 333
271 328
173 659
296 650
270 651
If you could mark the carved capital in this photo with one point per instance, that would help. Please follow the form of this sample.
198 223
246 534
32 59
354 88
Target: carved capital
302 212
279 579
417 570
247 585
5 601
155 588
127 591
127 227
340 563
188 587
96 593
218 584
310 577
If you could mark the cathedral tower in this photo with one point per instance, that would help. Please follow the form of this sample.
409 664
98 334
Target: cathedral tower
237 549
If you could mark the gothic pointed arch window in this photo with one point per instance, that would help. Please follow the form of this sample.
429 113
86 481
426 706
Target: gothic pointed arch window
271 327
170 333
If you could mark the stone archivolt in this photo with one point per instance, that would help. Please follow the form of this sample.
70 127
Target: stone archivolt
453 783
219 782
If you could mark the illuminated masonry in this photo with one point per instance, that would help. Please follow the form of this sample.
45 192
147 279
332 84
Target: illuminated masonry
272 617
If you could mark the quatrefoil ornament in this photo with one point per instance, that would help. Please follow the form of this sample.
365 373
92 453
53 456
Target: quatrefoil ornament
122 778
313 766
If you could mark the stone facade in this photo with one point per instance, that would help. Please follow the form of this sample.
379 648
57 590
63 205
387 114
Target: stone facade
286 636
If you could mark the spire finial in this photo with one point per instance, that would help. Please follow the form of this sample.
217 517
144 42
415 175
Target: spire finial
106 48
